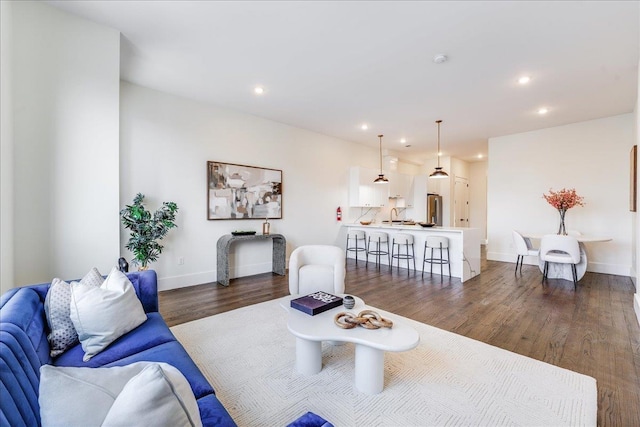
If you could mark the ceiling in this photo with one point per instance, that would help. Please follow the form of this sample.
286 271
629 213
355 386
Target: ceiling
331 66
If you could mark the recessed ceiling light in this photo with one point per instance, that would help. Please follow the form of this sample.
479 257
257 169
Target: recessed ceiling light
440 154
480 156
440 58
258 90
403 140
542 111
524 80
364 126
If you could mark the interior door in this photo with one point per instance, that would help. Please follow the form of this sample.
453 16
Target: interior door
461 202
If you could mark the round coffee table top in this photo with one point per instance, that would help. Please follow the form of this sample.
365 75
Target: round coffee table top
321 327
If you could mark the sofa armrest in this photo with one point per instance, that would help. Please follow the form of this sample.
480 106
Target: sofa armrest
146 285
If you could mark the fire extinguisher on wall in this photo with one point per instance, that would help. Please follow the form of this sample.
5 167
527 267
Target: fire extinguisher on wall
338 214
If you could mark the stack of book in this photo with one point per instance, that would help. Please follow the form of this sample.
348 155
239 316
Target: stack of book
316 302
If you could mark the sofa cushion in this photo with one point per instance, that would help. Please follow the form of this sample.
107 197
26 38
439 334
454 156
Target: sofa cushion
57 306
174 354
103 396
102 315
154 331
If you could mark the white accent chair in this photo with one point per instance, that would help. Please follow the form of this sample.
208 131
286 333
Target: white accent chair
523 248
560 249
316 268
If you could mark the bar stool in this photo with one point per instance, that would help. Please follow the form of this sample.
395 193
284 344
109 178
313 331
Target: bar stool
355 236
406 240
378 238
433 243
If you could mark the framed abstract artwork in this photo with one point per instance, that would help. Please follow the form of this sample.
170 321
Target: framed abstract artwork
243 192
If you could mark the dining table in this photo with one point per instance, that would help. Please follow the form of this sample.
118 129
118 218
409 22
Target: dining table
563 271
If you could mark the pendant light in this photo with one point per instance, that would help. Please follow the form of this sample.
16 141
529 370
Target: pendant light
439 173
381 179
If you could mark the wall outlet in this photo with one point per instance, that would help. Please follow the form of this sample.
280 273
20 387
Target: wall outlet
181 260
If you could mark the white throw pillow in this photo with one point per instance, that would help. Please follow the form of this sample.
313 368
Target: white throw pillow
93 393
151 399
102 315
63 335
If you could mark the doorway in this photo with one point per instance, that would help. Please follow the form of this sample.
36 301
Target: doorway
461 202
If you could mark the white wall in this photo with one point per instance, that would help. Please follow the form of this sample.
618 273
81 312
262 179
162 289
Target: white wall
593 158
65 89
6 150
165 144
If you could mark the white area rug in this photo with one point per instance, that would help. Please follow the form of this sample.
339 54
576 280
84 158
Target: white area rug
448 380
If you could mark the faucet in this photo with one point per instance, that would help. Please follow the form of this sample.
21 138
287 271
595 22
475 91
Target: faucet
391 215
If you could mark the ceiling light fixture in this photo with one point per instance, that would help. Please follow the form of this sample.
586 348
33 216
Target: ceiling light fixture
258 90
381 179
364 126
439 173
403 140
524 80
440 58
542 111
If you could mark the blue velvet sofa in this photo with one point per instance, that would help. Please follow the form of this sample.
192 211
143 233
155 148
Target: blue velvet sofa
24 348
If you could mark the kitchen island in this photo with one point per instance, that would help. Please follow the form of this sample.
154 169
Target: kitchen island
464 246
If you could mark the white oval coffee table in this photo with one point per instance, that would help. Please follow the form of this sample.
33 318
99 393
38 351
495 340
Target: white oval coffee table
370 344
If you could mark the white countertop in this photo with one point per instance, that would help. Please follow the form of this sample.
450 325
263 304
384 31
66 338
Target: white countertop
409 227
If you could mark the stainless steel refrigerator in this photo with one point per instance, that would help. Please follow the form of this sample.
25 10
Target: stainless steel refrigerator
434 209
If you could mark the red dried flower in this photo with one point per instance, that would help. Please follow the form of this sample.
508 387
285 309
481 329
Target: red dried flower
564 199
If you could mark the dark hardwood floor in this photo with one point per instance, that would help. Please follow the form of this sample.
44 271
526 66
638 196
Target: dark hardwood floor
593 331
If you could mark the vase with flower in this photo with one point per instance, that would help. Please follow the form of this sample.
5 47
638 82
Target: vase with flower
563 200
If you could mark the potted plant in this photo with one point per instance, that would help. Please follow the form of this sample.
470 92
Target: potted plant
147 229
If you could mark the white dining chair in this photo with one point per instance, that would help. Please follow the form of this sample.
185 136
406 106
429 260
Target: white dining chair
523 248
560 249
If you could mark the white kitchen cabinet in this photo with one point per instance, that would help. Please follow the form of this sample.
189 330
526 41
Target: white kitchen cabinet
363 192
401 186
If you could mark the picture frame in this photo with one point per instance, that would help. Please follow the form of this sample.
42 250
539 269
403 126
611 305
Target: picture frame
237 191
633 175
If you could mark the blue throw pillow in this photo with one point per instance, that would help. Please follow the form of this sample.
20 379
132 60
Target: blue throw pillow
310 420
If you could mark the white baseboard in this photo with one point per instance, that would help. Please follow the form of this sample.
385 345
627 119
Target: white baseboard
499 256
594 267
636 306
175 282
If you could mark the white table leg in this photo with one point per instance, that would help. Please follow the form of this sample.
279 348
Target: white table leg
308 356
369 369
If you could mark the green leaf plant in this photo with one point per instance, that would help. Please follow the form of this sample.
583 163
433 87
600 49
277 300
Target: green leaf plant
147 229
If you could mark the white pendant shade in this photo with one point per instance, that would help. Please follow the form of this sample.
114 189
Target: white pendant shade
439 173
381 179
